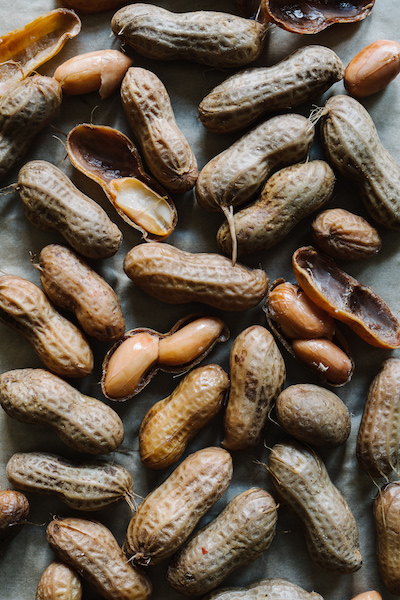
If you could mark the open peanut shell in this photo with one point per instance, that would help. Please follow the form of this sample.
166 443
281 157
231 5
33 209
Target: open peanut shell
155 366
110 158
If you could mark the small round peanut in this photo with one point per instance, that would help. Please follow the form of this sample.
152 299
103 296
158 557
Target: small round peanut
187 343
325 357
59 582
14 510
373 68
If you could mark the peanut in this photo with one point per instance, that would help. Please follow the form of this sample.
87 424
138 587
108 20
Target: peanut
371 595
242 532
73 285
84 487
91 549
273 589
168 515
171 423
373 68
302 482
83 423
51 202
58 343
257 373
243 98
326 358
59 582
14 511
208 37
386 512
166 151
175 276
378 441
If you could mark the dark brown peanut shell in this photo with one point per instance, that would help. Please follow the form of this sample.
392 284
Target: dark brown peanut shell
175 276
289 196
344 235
273 589
14 511
257 373
301 481
91 549
25 109
58 343
243 98
168 515
313 415
51 202
378 441
83 423
73 285
166 151
208 37
59 582
386 513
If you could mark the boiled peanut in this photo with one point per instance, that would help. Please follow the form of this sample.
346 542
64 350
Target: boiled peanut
257 373
73 285
168 515
171 423
58 343
386 512
373 68
175 276
273 589
243 98
353 147
378 441
83 423
343 235
14 511
212 38
50 201
91 549
242 532
301 481
313 415
82 487
326 358
148 109
59 582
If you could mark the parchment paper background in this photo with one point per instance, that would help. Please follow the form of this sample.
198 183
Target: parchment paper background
28 554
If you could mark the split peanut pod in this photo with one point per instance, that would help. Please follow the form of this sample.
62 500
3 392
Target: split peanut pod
23 50
386 513
133 361
14 511
59 581
345 298
110 158
273 589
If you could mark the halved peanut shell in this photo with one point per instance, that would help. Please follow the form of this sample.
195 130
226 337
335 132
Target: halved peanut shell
345 298
23 50
110 158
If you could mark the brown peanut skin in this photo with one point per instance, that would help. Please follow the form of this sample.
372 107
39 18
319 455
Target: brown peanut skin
257 373
168 515
386 512
378 440
83 423
165 149
14 511
170 424
59 582
301 481
58 343
373 68
208 37
72 284
242 532
91 549
273 589
175 276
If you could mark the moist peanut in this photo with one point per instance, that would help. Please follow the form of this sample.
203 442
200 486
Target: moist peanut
373 68
14 511
59 581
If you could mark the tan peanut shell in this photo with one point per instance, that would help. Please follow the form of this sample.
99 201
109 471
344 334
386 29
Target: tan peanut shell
246 96
175 276
91 549
386 512
59 582
25 109
353 147
236 175
378 441
58 343
83 423
87 486
14 512
51 202
165 149
171 423
73 285
288 196
257 373
208 37
273 589
242 532
168 515
301 481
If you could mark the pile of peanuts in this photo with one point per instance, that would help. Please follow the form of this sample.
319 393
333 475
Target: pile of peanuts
230 417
